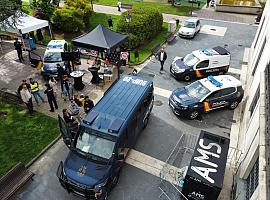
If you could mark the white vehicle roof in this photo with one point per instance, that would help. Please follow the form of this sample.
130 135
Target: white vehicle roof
206 53
215 83
192 20
56 45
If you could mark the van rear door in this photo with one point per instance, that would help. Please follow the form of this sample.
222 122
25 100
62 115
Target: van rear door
65 131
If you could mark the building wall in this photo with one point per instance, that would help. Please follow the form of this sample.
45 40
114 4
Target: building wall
252 125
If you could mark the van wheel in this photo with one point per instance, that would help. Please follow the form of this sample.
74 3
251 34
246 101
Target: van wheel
145 122
114 181
187 78
194 114
233 105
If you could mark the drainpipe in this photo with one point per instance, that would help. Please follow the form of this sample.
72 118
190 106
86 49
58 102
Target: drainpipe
262 137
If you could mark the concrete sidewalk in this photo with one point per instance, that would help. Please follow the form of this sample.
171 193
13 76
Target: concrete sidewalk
204 13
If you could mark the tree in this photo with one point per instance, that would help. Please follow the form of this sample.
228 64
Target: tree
7 9
45 8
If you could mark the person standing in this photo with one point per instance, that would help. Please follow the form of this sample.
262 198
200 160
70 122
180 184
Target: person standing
162 56
60 72
110 22
67 88
21 86
27 98
18 47
35 91
51 98
88 104
53 84
40 36
119 5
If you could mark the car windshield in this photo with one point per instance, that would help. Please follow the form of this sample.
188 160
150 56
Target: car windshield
189 24
94 145
190 60
197 90
52 57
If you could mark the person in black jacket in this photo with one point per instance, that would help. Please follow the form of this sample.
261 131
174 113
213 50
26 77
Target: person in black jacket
162 56
18 47
51 98
88 104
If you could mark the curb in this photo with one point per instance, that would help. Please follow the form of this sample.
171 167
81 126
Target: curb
43 151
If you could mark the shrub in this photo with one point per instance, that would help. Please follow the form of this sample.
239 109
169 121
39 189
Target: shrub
68 19
85 6
146 23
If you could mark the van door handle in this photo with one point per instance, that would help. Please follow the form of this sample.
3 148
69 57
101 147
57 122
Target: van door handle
215 62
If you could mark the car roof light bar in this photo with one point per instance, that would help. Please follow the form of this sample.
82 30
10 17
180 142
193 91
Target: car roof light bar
214 81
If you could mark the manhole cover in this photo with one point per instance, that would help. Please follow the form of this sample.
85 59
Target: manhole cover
213 29
158 103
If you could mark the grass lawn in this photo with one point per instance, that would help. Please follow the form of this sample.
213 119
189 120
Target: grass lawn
22 137
184 9
145 50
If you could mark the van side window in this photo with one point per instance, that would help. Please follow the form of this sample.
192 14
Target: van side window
214 95
203 64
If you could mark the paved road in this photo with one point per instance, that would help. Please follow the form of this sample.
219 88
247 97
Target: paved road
204 13
163 131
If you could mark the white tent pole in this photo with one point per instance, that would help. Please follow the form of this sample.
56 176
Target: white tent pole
50 31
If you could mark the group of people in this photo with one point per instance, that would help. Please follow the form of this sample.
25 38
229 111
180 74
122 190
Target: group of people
30 89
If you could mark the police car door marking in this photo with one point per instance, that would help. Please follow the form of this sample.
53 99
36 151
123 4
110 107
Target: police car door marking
204 171
198 73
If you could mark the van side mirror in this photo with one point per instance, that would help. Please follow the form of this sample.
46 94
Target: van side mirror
121 157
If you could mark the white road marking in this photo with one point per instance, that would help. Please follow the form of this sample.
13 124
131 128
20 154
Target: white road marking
162 92
213 30
153 166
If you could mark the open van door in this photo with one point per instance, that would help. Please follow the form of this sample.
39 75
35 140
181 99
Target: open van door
65 131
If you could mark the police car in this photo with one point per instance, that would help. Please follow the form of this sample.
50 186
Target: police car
201 63
52 56
205 95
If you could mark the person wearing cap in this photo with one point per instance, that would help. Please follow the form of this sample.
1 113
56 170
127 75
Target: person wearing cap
51 97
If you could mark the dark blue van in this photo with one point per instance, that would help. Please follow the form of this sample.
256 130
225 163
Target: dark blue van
99 147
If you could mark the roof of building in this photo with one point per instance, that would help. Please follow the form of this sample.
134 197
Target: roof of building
117 104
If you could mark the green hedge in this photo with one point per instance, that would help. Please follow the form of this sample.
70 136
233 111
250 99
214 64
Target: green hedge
145 24
73 17
68 19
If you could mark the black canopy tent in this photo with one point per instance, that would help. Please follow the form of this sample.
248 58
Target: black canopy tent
100 39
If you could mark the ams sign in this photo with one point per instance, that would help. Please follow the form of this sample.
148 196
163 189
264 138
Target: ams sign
205 154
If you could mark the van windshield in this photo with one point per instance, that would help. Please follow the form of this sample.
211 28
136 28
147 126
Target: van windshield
52 57
95 145
190 60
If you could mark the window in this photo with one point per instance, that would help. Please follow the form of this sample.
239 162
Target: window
203 64
259 33
255 101
214 95
252 180
226 91
259 57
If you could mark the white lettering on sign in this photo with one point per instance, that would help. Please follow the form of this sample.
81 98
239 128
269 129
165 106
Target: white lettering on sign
197 195
203 171
135 81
